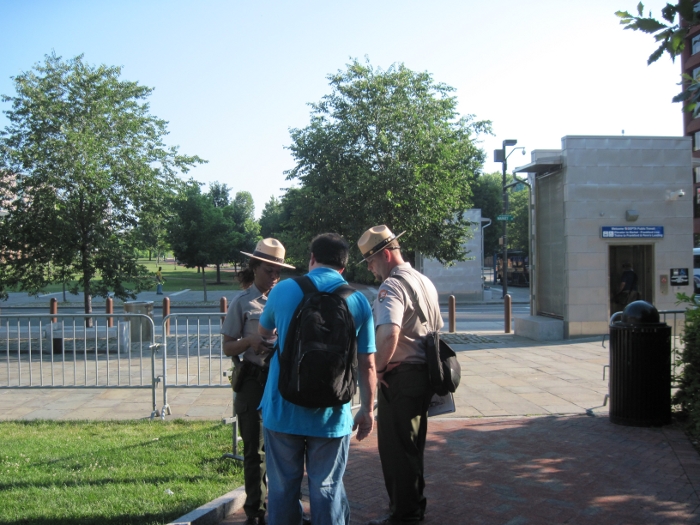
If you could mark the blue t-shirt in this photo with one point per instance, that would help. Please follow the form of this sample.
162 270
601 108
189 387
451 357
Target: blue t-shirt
279 414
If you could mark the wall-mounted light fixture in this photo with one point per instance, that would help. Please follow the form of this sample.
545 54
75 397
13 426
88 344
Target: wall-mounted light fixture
674 195
631 215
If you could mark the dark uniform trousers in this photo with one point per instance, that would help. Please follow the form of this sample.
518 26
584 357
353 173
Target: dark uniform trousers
402 425
251 430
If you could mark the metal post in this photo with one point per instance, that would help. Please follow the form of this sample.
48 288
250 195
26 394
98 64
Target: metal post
53 308
109 308
223 307
504 271
453 314
166 313
507 313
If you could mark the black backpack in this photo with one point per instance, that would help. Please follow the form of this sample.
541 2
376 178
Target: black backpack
318 365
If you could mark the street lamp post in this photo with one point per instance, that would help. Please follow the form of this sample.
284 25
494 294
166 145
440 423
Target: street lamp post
499 155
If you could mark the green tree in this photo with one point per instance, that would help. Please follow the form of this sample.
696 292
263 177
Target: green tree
81 157
518 207
271 219
241 213
386 147
488 196
671 33
219 194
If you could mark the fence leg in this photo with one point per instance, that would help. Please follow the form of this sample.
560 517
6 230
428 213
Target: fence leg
453 314
53 308
109 308
507 313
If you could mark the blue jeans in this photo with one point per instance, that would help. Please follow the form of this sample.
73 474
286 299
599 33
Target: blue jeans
325 465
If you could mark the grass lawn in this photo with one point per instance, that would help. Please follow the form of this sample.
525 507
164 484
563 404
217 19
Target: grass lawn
135 472
179 278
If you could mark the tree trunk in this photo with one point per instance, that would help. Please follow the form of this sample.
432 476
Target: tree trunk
204 283
87 300
149 255
218 273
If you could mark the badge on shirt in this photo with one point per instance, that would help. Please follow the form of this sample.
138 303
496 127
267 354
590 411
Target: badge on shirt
382 295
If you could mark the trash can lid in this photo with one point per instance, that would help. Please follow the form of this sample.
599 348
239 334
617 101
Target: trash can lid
640 312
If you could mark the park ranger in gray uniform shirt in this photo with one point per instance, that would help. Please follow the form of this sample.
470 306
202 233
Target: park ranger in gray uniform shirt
404 393
242 340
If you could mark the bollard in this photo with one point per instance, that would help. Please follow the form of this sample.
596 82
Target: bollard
507 312
109 309
453 314
223 306
53 308
166 313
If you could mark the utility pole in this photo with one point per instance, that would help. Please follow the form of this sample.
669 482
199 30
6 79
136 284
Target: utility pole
499 155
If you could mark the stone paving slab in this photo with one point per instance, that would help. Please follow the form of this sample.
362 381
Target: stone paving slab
541 470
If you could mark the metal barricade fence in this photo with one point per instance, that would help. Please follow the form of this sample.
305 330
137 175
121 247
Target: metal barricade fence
193 357
78 351
676 320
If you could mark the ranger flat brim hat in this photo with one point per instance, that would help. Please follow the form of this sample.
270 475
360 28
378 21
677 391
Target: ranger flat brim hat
375 240
270 251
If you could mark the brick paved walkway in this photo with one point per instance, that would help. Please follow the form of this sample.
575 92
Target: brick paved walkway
541 470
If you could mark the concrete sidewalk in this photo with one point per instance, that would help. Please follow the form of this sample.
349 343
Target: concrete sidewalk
539 470
502 375
530 442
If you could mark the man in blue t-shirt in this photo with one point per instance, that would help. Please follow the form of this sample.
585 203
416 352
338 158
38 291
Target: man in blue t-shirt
319 435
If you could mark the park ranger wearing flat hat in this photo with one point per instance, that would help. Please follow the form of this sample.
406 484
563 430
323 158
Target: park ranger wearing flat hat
404 393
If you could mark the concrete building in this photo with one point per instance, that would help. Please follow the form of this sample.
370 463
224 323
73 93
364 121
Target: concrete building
462 279
600 202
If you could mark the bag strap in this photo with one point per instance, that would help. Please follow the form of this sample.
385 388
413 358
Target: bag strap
307 286
416 303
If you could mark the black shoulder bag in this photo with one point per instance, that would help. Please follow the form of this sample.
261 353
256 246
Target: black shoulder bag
444 371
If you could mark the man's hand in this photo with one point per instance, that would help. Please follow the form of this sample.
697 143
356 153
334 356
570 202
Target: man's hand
364 423
261 346
389 368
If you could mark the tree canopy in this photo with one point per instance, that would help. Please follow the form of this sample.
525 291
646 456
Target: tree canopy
80 158
385 147
204 231
671 34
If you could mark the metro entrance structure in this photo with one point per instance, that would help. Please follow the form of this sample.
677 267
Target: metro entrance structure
598 203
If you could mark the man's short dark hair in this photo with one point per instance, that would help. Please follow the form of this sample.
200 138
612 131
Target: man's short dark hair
330 249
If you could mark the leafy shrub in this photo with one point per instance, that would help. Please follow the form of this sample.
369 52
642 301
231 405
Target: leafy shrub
688 394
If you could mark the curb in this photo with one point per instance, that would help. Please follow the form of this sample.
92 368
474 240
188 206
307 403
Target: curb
214 511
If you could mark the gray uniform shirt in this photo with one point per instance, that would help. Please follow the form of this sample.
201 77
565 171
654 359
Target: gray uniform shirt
395 305
242 319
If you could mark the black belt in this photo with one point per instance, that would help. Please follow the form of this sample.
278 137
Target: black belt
407 367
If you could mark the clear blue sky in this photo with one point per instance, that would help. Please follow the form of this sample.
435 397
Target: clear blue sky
232 77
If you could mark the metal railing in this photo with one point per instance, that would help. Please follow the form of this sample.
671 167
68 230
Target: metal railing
676 320
78 351
193 355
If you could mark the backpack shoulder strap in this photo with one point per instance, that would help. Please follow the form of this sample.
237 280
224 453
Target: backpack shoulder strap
344 291
306 284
